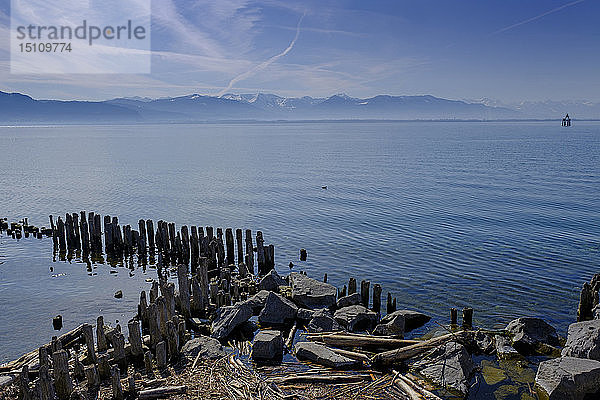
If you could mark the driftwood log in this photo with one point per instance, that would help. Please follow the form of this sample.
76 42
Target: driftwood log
161 392
346 340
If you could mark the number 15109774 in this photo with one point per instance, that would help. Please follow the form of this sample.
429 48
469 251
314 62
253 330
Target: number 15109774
49 47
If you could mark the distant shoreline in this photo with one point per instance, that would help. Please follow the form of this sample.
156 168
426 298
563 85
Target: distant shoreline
259 122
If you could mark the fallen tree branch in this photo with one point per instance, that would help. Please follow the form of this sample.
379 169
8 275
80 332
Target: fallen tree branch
318 378
343 340
161 392
418 388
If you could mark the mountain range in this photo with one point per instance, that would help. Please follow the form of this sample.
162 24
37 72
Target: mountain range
16 108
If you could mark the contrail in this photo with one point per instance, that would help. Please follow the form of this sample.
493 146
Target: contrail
537 17
264 64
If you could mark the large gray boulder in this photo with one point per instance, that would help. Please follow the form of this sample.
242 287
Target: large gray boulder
569 378
268 345
350 300
229 318
356 318
207 347
583 340
257 302
311 293
393 326
529 334
448 365
322 321
322 355
277 311
305 315
412 319
271 282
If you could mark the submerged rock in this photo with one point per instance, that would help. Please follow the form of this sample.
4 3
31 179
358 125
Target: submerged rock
207 347
530 333
569 378
412 319
322 321
277 311
449 365
271 282
351 300
356 318
322 355
583 340
229 319
311 293
268 345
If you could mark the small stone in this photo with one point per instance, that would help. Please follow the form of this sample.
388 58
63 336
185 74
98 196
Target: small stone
322 355
322 321
271 282
277 311
118 294
356 318
412 319
268 345
207 347
392 327
351 300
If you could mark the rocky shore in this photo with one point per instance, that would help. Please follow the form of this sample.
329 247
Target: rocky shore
225 332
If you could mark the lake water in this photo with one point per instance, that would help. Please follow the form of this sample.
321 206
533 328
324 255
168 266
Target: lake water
502 217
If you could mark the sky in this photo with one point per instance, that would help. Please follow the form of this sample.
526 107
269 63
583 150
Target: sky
506 50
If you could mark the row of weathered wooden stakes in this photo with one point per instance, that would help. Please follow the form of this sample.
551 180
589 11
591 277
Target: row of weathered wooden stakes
80 234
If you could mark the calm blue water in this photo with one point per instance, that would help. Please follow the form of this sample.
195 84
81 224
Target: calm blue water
503 217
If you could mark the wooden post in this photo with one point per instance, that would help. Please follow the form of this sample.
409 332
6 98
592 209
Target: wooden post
184 290
62 379
169 296
46 387
325 278
453 316
172 340
230 248
98 233
69 232
108 235
78 369
88 335
150 230
377 298
24 390
103 367
364 292
62 245
143 309
153 325
240 249
467 318
161 306
119 356
91 375
54 232
85 235
43 356
203 281
388 306
142 239
148 362
197 301
260 252
194 248
153 292
271 264
185 242
117 239
135 339
249 252
161 355
117 390
100 335
351 286
76 229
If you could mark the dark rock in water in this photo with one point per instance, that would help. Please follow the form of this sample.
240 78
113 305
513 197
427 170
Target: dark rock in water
271 282
322 355
229 319
311 293
118 294
207 347
483 343
569 378
277 311
393 326
305 315
504 349
530 333
257 302
412 319
356 318
448 365
268 345
322 321
57 322
351 300
583 340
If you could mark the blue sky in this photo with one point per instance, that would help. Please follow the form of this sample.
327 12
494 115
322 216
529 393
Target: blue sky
506 50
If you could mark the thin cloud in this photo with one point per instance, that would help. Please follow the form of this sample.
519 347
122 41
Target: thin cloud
537 17
264 64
